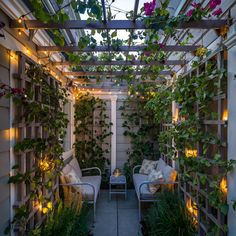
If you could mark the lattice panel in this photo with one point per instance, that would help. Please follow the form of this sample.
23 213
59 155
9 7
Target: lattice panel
26 160
208 216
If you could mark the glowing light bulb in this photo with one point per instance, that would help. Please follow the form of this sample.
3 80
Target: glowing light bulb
20 20
19 32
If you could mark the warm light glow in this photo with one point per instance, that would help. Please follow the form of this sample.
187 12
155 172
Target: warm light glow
176 115
19 32
225 115
223 186
192 209
191 152
10 134
45 164
20 20
27 51
117 172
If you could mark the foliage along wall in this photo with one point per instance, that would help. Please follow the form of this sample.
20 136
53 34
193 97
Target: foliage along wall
92 131
140 127
197 140
39 124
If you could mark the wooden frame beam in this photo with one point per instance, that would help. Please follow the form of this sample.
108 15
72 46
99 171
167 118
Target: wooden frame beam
114 24
120 63
168 48
112 73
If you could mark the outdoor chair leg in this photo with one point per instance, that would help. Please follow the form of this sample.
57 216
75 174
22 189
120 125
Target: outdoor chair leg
139 209
94 211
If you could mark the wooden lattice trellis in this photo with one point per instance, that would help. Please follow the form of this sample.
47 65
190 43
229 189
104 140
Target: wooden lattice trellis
26 160
208 216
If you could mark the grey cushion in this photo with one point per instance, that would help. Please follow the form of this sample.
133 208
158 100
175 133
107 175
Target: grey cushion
160 165
138 179
86 190
169 174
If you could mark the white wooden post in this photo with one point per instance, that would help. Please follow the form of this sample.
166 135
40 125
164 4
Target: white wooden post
231 178
113 130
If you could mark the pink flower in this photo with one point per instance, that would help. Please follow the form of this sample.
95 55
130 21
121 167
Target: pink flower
149 7
217 12
214 3
147 53
161 45
190 13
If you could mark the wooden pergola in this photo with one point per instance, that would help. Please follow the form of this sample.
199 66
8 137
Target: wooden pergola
132 25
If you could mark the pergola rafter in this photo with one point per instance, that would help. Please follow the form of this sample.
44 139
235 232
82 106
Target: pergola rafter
115 73
120 63
185 48
114 24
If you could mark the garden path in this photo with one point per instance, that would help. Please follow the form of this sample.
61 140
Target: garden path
118 217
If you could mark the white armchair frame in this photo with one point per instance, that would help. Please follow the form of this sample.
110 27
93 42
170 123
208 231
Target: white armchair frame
151 199
90 185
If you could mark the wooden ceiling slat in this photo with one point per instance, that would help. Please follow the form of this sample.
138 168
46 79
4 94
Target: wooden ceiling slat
114 24
167 48
120 63
114 73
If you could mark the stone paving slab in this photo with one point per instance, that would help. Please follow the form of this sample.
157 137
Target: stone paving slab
118 217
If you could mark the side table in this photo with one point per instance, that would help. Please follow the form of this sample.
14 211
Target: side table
116 181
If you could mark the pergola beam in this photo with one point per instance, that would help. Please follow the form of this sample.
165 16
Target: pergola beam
114 73
167 48
114 24
120 63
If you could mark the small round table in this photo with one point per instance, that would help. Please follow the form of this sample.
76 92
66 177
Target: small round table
117 181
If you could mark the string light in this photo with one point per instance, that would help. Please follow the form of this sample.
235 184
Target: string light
20 20
19 32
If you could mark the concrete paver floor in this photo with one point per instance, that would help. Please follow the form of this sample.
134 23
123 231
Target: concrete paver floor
118 217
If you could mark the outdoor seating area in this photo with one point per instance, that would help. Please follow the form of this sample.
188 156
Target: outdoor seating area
117 117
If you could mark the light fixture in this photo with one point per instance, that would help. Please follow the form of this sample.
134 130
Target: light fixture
19 32
20 20
191 152
117 172
223 186
225 115
192 209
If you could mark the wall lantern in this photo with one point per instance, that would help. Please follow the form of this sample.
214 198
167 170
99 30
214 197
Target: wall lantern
192 209
191 152
45 164
223 186
225 115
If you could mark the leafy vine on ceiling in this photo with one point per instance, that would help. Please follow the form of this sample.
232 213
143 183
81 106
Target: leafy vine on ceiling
161 23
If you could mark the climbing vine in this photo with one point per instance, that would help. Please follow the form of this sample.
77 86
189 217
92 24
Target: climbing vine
140 128
92 130
47 149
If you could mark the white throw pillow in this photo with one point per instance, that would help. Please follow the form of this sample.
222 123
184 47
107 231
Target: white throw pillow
155 176
73 178
147 166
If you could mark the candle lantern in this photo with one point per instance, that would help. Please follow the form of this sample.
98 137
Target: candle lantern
117 172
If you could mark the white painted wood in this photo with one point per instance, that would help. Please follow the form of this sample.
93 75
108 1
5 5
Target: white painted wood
113 130
231 178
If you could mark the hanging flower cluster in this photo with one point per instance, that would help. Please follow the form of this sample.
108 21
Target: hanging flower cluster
7 90
198 11
149 7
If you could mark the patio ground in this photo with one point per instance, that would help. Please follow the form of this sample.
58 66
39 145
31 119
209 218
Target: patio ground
118 217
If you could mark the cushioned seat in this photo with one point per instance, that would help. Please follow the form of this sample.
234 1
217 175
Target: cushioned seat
87 190
138 179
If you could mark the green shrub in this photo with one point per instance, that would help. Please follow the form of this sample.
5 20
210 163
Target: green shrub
168 217
64 221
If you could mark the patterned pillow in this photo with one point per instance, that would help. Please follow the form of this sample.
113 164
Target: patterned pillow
155 176
73 178
147 166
